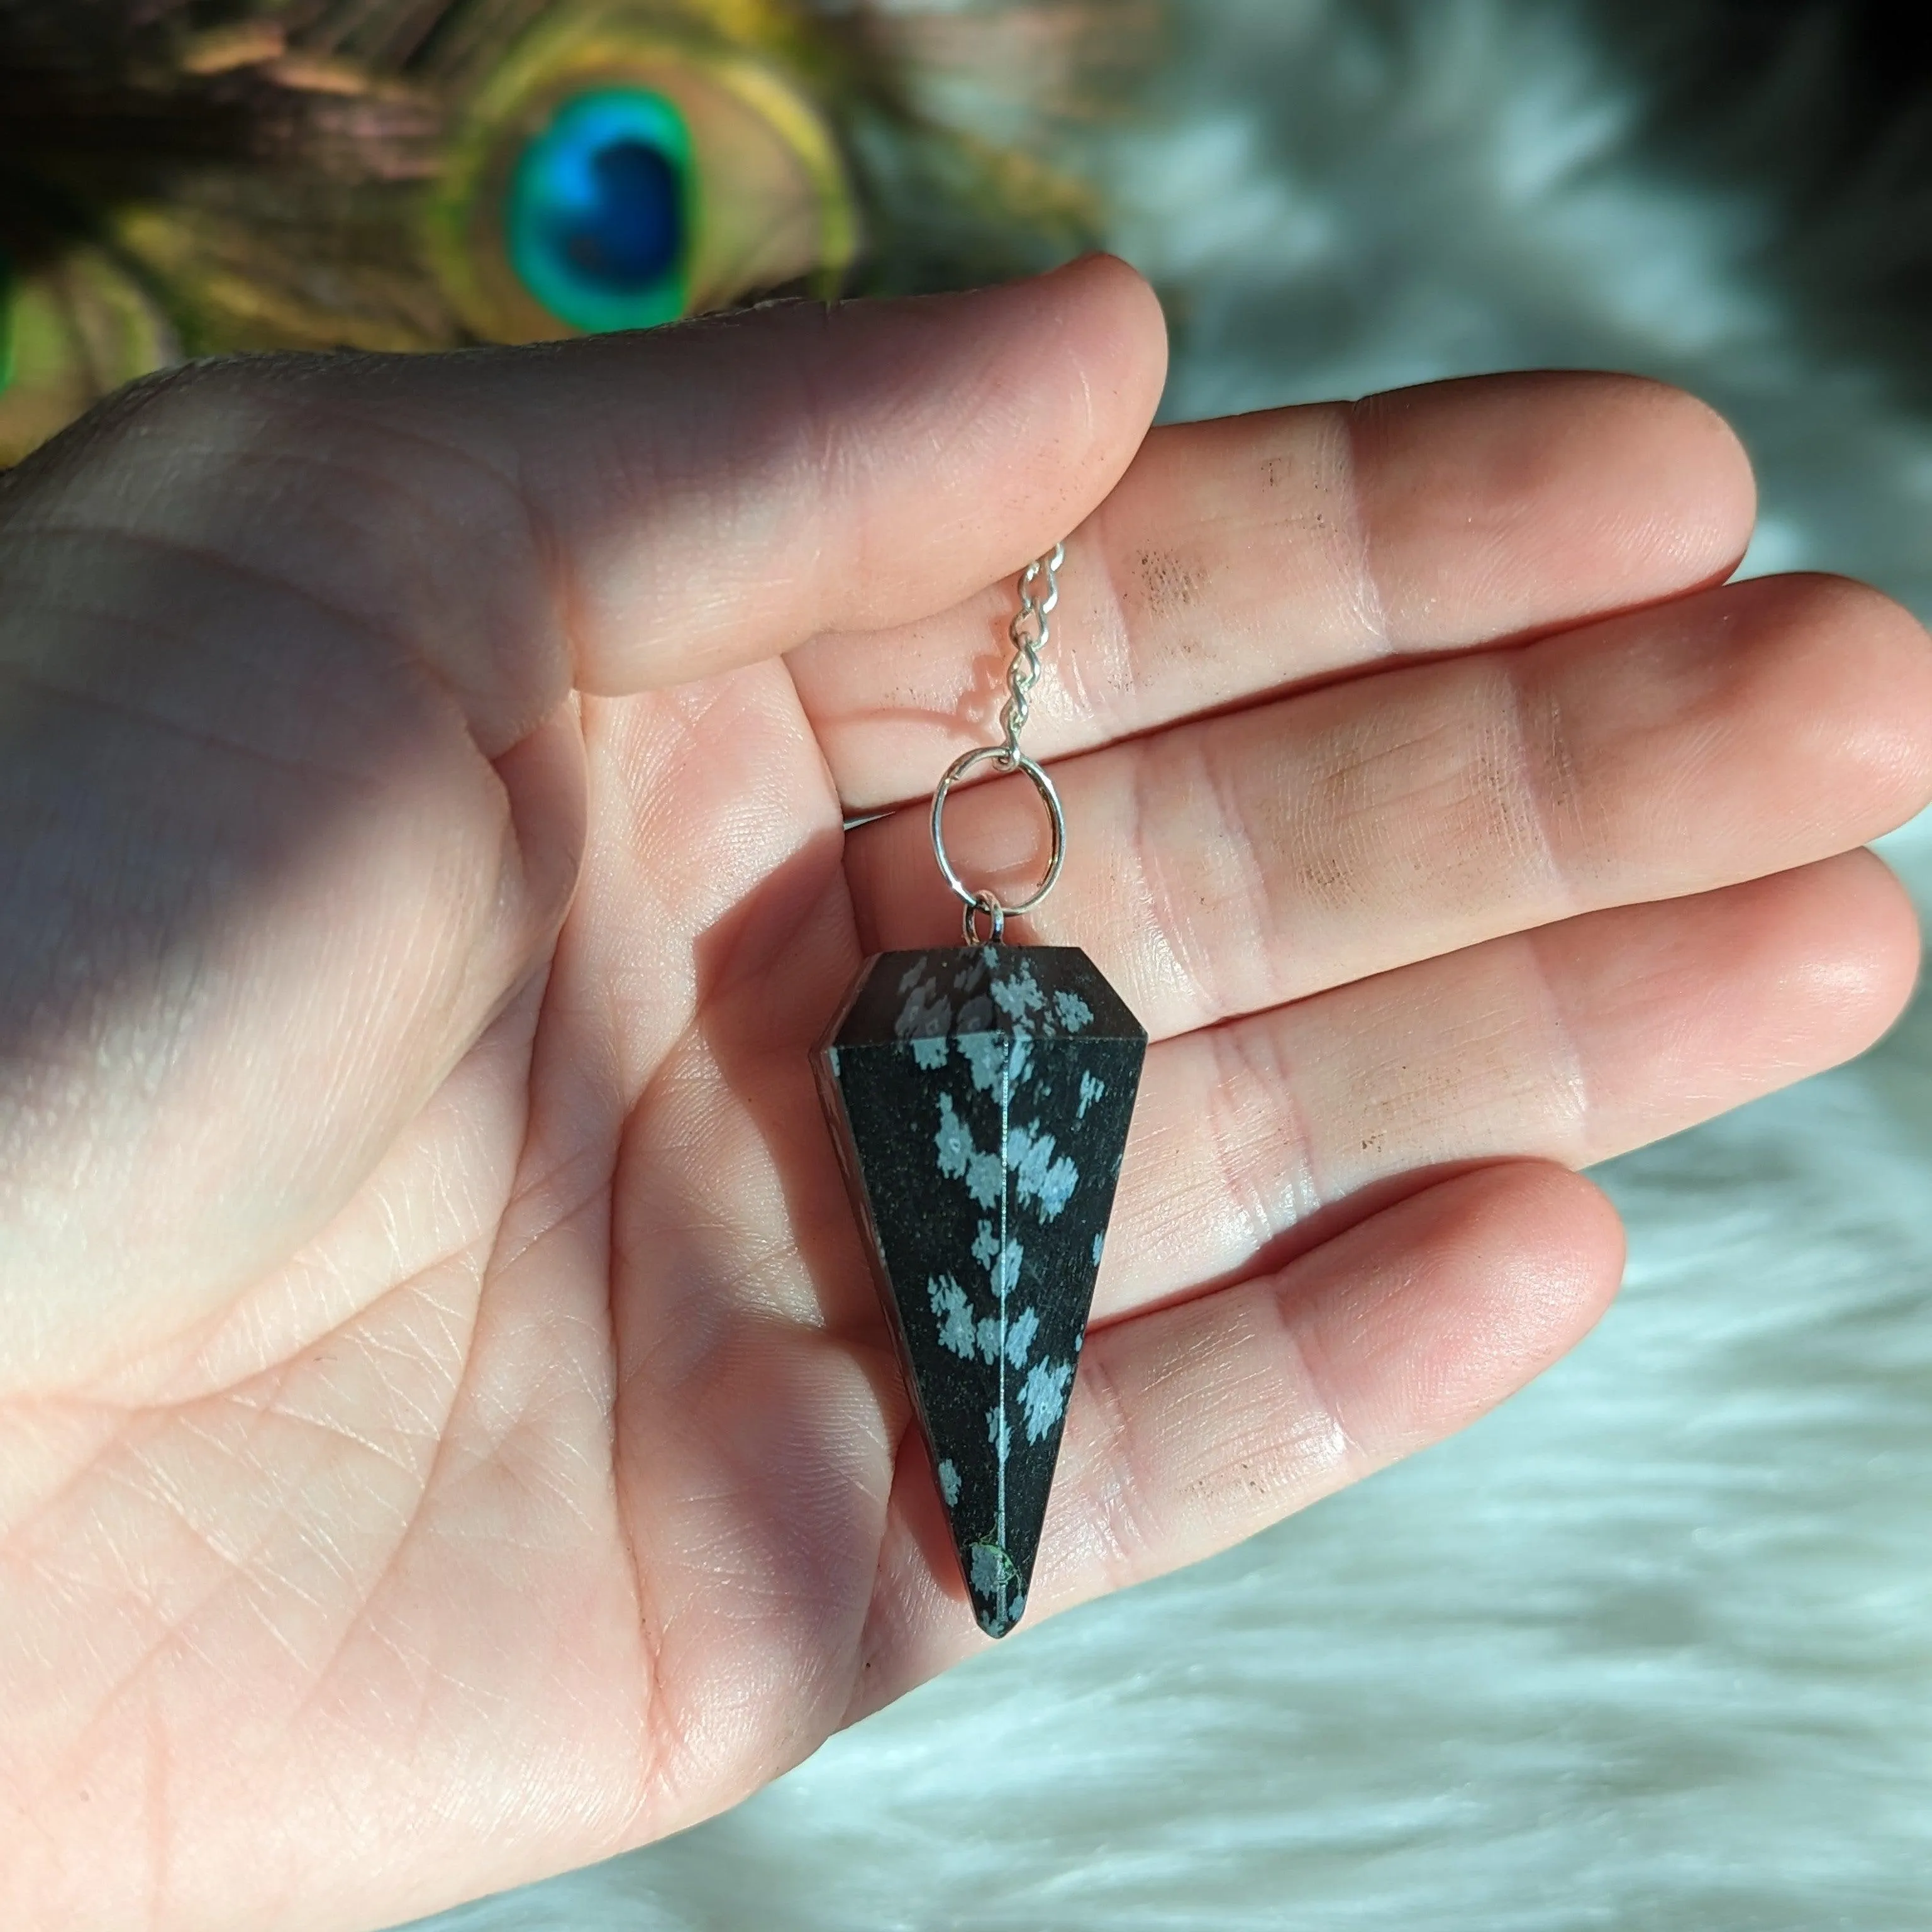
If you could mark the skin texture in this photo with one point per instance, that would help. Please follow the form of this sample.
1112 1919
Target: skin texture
447 1432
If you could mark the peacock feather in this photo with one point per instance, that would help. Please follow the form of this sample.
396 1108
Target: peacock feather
180 177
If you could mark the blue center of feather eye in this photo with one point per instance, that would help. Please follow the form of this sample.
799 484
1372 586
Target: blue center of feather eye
599 215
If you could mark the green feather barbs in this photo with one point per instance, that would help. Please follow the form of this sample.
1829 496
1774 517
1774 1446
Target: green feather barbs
182 177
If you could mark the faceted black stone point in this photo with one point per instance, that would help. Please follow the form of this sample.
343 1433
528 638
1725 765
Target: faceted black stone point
980 1097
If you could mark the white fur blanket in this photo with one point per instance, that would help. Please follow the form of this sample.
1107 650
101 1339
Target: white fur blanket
1652 1648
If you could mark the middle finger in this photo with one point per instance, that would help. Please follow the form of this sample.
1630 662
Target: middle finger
1225 866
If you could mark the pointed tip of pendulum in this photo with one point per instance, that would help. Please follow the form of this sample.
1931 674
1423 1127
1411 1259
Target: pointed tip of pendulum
997 1589
981 1098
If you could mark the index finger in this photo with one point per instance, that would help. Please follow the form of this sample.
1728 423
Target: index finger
1237 559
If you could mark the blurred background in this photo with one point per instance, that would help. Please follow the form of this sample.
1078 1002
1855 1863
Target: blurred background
1653 1646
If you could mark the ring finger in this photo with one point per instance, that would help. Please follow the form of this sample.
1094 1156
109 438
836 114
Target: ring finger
1255 1141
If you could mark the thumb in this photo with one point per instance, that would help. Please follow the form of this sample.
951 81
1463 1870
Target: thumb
725 493
634 511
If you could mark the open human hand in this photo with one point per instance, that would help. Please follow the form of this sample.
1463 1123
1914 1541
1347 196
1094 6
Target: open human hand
447 1429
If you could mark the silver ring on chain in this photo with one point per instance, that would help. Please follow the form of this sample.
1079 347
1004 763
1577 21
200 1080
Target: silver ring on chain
996 921
976 903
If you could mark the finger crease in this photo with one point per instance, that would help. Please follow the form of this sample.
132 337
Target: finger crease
1543 799
1257 1130
1122 1538
1365 603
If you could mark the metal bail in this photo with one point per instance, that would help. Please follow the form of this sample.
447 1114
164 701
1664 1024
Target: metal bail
996 921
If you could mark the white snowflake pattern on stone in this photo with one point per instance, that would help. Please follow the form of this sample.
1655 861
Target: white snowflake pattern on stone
1043 1397
991 1567
1090 1090
1037 1175
995 1056
983 1178
929 1012
954 1313
1018 996
1019 1337
954 1141
1075 1013
985 1246
958 1157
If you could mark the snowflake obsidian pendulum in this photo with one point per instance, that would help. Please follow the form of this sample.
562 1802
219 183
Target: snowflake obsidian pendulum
980 1096
984 1095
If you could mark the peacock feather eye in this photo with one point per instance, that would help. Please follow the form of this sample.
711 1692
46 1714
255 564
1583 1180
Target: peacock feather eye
615 168
198 176
598 217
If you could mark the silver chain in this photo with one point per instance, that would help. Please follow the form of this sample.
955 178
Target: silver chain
1031 630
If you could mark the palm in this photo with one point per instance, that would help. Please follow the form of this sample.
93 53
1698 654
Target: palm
479 1449
629 1412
